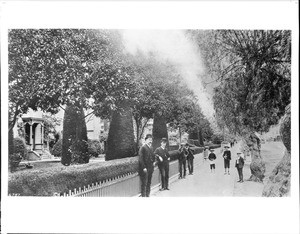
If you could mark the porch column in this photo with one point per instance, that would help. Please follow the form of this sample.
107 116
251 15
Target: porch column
30 136
42 136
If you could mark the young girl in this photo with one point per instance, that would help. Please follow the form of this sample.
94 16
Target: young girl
212 157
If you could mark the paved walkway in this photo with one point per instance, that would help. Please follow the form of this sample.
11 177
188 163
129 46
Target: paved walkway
203 183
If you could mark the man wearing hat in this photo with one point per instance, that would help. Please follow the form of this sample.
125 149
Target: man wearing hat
146 165
189 154
227 158
212 158
239 164
163 157
182 162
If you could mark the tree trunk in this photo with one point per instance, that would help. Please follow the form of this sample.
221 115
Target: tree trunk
201 137
120 140
251 145
11 147
138 123
180 135
278 184
159 130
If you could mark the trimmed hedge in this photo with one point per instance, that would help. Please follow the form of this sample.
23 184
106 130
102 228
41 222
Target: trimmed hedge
173 147
213 146
175 153
47 181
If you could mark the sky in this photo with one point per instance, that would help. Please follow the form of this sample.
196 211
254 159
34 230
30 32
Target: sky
174 46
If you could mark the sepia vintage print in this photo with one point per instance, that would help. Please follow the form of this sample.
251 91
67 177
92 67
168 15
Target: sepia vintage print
120 112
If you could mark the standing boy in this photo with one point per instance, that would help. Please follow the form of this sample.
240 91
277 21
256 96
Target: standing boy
227 158
212 158
239 164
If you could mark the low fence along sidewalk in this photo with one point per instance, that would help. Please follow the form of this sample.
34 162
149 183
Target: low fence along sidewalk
127 185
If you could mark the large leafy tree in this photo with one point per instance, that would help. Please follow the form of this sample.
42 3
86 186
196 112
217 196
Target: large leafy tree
251 69
52 67
157 87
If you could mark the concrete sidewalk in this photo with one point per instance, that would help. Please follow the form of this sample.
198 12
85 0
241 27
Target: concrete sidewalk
203 183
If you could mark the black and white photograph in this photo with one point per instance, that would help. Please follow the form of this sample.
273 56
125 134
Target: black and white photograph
159 120
139 112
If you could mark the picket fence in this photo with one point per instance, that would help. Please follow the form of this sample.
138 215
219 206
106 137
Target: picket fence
127 185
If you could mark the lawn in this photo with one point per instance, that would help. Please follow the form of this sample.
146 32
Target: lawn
37 165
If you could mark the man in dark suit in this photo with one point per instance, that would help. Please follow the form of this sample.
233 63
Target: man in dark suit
239 164
163 157
189 153
182 162
146 165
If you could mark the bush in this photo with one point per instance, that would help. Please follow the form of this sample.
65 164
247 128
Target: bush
216 139
20 147
79 152
14 160
57 148
94 148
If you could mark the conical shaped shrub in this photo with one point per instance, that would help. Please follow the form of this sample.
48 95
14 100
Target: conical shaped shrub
120 140
74 142
159 130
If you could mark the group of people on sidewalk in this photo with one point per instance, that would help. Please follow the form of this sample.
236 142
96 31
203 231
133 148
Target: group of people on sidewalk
147 161
148 158
239 162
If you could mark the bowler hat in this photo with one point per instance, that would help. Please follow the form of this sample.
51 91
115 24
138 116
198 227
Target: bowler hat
148 136
164 140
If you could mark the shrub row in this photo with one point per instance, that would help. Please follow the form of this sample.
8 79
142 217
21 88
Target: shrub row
194 142
213 146
47 181
94 148
175 153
